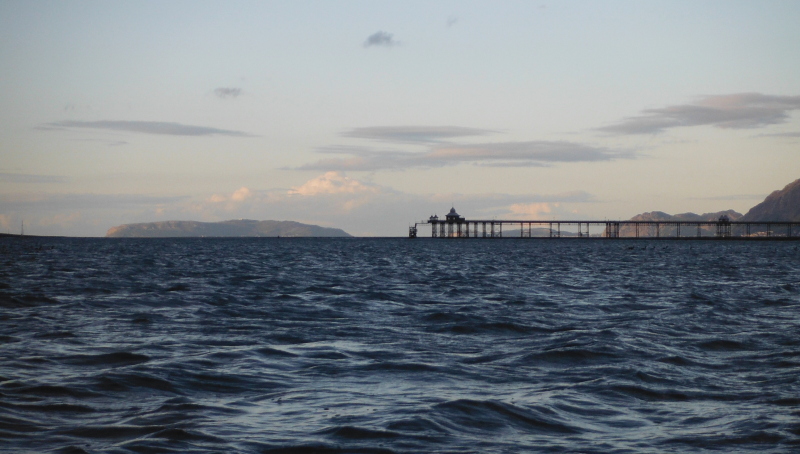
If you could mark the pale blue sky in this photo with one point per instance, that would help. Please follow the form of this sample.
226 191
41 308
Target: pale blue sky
370 115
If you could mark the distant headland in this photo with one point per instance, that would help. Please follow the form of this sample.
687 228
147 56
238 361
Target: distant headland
233 228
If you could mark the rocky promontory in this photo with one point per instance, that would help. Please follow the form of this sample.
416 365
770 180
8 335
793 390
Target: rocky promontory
780 206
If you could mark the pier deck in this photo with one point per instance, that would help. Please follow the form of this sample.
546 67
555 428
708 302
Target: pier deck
455 226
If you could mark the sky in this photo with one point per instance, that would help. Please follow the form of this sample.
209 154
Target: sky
372 115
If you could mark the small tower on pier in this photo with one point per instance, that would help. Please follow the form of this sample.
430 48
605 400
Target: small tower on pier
452 217
454 223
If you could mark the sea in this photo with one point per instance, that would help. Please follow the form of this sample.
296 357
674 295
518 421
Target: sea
393 345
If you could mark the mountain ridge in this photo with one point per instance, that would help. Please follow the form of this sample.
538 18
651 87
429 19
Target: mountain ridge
692 217
649 230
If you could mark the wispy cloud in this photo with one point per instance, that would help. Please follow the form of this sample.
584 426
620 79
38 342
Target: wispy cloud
535 151
58 202
415 134
443 151
781 134
732 197
33 179
227 92
500 154
145 127
380 38
734 111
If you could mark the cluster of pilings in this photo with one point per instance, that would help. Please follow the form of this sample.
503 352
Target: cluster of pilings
455 226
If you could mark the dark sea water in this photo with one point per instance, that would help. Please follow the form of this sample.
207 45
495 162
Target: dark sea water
398 346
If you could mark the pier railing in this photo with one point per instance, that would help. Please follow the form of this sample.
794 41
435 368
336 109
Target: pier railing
719 229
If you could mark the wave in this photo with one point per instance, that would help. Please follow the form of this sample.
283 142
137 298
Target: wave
239 345
468 415
114 359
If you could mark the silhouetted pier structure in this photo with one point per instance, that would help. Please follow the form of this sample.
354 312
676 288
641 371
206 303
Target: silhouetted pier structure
455 226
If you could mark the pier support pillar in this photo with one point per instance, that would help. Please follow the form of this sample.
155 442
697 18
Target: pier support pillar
724 227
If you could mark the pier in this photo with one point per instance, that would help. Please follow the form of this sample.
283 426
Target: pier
455 226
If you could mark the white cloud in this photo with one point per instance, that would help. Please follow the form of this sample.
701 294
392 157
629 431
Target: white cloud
333 183
530 210
241 194
232 202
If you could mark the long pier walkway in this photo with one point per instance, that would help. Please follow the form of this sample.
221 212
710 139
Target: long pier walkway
455 226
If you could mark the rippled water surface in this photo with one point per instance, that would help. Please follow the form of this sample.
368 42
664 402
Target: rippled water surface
396 345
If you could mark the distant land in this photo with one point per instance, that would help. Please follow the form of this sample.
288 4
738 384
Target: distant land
234 228
629 230
661 216
780 206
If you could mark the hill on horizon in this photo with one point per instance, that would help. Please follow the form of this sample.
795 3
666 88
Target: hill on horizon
692 217
780 206
629 230
232 228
